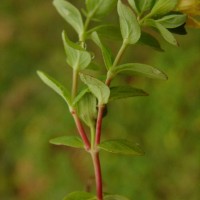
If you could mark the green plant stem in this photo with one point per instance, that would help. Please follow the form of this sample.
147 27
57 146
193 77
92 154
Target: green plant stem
74 83
120 54
82 36
116 62
87 22
92 137
98 175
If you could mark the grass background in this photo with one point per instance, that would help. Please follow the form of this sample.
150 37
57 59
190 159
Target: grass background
166 123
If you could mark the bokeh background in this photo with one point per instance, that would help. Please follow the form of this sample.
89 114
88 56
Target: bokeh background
166 123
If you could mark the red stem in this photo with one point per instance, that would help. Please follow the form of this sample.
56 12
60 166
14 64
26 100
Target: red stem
81 130
108 81
99 124
100 118
98 176
95 155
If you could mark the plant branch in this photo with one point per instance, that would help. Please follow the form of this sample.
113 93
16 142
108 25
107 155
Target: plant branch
87 22
78 123
74 83
95 156
120 53
99 124
81 130
82 36
92 135
77 120
108 82
98 175
116 62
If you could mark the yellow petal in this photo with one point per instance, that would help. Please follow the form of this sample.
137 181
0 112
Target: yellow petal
192 22
191 7
186 4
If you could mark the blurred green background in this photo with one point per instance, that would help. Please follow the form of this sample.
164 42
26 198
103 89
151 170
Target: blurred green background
166 123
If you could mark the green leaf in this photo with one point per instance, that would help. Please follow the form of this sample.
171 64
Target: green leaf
77 57
162 7
141 6
163 31
130 28
115 197
80 95
70 141
121 92
99 8
134 4
87 109
149 40
80 196
71 14
107 56
98 88
109 32
56 86
121 146
167 35
138 68
172 20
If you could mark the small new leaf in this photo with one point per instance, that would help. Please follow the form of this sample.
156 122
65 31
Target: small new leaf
140 6
77 57
121 146
107 56
172 20
71 14
80 196
138 68
99 8
70 141
98 88
130 28
121 92
167 35
56 86
162 7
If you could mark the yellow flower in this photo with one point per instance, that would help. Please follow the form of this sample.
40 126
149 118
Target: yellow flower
192 9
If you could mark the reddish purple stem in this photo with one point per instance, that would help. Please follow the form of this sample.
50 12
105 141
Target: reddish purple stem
99 125
81 130
98 176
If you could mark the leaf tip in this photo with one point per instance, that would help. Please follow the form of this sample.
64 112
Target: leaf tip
39 73
52 141
145 93
165 77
